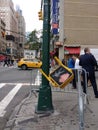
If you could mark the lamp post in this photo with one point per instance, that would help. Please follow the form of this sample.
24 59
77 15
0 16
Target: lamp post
45 95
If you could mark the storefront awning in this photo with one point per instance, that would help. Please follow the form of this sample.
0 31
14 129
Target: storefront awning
2 57
72 50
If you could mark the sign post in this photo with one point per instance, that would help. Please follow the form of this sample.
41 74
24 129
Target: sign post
45 95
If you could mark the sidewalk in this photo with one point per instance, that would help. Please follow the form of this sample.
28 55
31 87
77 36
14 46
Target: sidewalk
65 116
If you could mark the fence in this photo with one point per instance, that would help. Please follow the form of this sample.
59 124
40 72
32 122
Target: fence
83 100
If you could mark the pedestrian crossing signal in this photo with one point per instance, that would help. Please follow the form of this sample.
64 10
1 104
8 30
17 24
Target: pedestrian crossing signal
61 76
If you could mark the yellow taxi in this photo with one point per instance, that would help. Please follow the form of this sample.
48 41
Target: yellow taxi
29 63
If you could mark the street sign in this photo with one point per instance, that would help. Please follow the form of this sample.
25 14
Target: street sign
29 54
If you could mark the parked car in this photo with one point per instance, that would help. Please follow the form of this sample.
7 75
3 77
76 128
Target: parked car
29 63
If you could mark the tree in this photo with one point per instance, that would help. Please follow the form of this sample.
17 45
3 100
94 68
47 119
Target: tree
33 40
33 37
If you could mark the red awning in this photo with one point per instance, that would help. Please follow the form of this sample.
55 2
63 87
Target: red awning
72 50
2 57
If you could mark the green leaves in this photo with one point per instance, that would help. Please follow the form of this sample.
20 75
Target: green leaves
33 40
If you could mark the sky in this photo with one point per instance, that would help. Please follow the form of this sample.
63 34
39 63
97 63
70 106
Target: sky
30 9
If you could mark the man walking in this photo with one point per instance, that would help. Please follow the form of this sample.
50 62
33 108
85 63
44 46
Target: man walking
6 62
88 62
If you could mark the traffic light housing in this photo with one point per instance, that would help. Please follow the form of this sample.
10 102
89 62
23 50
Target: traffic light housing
40 15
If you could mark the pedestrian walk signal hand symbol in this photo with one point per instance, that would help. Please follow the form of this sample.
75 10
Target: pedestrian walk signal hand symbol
61 76
40 15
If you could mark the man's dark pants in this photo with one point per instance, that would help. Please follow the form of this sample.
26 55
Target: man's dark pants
91 77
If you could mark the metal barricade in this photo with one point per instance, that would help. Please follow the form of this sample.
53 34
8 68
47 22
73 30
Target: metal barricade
82 97
83 100
80 102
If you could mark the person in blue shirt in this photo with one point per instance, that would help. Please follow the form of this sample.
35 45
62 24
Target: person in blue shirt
71 63
88 62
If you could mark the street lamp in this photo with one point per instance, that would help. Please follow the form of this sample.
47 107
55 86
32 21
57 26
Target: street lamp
45 95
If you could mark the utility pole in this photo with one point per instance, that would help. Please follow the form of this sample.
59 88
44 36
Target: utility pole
45 95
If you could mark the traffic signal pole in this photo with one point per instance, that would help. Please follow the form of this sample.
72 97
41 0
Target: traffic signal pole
45 95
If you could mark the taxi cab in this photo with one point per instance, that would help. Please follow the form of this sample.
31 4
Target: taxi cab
29 63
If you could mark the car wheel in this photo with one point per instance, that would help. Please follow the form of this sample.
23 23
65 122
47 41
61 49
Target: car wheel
23 67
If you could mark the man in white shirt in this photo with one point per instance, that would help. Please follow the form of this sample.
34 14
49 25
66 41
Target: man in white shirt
77 66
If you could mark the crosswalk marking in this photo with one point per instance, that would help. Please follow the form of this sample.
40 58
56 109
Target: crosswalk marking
38 78
8 98
3 69
36 83
4 103
2 85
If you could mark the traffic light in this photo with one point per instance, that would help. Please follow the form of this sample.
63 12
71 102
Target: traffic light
40 15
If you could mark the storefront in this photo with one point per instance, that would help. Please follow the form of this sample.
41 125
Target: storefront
71 50
2 57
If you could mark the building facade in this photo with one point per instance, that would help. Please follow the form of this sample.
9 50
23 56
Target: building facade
78 24
15 28
7 14
21 31
3 42
81 22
